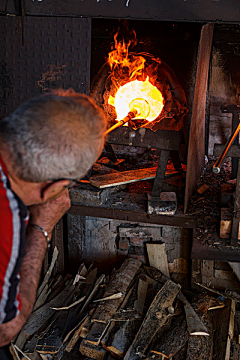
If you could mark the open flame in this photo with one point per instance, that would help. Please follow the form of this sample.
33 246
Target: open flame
134 90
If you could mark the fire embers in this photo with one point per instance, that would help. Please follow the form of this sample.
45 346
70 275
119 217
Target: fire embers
139 82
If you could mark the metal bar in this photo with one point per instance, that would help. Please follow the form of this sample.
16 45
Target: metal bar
218 162
183 221
129 116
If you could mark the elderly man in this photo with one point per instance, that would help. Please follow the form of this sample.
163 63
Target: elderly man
44 145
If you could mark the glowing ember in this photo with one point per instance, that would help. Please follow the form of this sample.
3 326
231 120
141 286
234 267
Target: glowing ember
138 95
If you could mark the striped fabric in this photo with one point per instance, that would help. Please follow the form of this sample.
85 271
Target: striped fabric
12 247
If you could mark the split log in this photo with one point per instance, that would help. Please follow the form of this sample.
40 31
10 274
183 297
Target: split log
123 338
39 317
194 324
156 274
49 272
142 292
171 341
201 347
76 335
157 257
120 283
155 318
121 333
106 309
92 351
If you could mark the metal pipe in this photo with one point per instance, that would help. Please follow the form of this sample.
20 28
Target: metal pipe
133 113
217 164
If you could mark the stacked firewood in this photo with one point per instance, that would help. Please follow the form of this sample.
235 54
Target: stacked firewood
134 313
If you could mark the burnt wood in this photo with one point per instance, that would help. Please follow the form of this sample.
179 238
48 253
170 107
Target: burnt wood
155 318
172 340
177 10
220 253
196 147
133 216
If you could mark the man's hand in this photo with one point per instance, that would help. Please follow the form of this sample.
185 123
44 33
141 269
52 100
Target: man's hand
48 214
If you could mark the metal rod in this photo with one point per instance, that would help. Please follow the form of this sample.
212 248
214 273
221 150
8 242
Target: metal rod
129 116
217 164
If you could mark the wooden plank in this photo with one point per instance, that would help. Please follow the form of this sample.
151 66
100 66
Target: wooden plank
158 258
230 330
40 316
221 330
124 177
196 147
155 318
57 240
49 272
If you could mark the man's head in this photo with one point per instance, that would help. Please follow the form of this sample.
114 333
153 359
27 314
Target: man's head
58 135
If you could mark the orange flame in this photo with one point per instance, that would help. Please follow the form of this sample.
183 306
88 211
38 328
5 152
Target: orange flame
130 92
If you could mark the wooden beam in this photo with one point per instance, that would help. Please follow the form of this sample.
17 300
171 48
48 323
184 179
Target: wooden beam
196 147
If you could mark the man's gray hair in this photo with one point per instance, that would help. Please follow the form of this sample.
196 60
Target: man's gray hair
58 135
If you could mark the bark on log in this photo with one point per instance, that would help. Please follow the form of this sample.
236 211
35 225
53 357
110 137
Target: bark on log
155 318
172 340
119 283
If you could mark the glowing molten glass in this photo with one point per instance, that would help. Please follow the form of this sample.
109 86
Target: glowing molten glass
138 95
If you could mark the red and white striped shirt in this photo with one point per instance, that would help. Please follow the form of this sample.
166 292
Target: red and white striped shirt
13 217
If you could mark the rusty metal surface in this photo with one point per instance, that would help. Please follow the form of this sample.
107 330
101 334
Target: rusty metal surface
179 10
41 54
161 139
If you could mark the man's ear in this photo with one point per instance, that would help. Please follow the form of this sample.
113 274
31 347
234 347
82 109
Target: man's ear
53 189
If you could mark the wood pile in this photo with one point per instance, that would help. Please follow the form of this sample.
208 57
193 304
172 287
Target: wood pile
136 312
